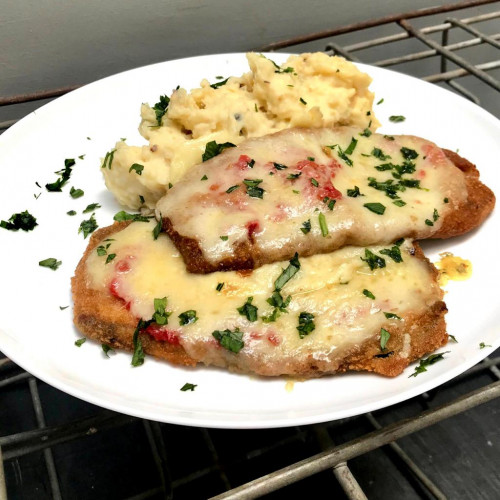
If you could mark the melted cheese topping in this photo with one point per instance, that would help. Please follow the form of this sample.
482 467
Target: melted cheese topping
304 173
329 286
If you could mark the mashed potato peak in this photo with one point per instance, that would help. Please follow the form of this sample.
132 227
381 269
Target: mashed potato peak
308 90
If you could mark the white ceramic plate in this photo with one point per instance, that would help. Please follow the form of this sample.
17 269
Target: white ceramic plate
40 337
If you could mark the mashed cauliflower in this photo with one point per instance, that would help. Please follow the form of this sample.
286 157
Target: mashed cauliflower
308 90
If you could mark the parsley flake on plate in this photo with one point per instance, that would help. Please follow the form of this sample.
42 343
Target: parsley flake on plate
424 363
88 226
188 387
51 263
23 220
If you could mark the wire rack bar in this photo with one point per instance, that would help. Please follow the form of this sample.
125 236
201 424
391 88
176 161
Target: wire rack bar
352 449
371 24
409 463
428 29
473 31
3 487
460 61
47 452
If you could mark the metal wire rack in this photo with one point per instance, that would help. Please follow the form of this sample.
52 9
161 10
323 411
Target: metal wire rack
51 454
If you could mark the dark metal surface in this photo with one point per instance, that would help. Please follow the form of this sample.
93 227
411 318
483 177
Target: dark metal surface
54 446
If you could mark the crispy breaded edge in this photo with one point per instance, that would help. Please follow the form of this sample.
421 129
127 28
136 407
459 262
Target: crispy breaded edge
104 318
247 255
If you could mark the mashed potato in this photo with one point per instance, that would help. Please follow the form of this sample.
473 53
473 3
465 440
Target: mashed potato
308 90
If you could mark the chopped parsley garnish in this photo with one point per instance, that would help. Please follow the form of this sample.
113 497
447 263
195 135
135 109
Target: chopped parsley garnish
452 337
106 349
408 154
314 182
389 137
76 193
384 337
248 310
378 153
394 253
368 294
219 84
374 261
424 363
322 224
219 286
310 158
108 159
294 176
397 118
435 215
204 178
91 208
160 316
88 226
352 146
302 101
137 167
253 188
64 176
232 341
50 263
384 166
224 238
429 222
399 203
306 324
62 308
79 342
366 132
280 306
188 386
157 229
391 316
354 193
138 356
23 220
188 317
124 216
342 155
288 273
306 226
101 251
232 188
482 345
251 163
213 149
377 208
71 212
381 101
141 199
110 257
170 185
279 166
160 108
446 200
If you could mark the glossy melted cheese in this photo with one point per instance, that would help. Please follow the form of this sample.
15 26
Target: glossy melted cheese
330 286
317 175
